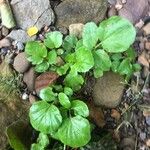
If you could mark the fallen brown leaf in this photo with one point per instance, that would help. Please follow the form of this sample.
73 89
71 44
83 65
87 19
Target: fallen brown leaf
44 80
115 114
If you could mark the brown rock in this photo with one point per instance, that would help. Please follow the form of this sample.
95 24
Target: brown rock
29 79
108 90
77 11
5 31
96 115
76 29
147 45
21 64
44 80
146 29
32 99
134 10
5 43
142 59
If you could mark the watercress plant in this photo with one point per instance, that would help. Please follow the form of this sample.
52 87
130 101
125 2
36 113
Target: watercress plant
102 48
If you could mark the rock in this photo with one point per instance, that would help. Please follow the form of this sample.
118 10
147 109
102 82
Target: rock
29 79
32 99
128 143
77 11
146 29
134 11
108 90
20 35
20 46
76 29
25 96
5 43
5 31
112 11
21 64
44 80
147 120
30 13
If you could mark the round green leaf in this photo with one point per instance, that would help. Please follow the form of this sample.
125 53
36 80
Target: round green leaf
53 39
74 132
98 72
42 67
45 117
80 108
36 52
125 67
64 100
74 81
52 57
89 35
84 60
116 34
101 60
47 94
68 91
43 140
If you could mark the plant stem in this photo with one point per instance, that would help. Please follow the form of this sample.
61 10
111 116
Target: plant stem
64 147
99 44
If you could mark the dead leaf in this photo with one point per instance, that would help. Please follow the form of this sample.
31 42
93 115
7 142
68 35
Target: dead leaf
44 80
96 114
143 60
115 114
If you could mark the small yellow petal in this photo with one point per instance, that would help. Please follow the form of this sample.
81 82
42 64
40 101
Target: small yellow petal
32 31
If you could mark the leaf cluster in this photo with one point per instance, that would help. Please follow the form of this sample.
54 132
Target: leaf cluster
102 48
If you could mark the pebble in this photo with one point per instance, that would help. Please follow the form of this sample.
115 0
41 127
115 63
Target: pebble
142 136
147 45
63 30
5 43
4 50
20 46
25 96
76 29
5 31
147 119
32 98
112 11
21 64
146 29
29 79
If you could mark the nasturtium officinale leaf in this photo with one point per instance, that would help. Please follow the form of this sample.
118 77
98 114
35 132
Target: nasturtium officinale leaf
36 52
53 39
62 69
69 42
64 100
98 72
45 117
84 60
47 94
115 65
74 81
101 60
42 67
89 35
116 34
52 57
80 108
74 132
68 91
43 139
125 67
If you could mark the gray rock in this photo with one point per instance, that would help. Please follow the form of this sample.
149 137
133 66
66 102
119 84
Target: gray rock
32 12
134 10
108 90
20 46
20 35
21 64
29 79
80 11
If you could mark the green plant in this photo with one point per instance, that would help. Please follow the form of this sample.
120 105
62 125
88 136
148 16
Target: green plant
101 48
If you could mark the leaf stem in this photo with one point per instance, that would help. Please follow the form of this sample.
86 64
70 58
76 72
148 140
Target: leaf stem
64 147
99 44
